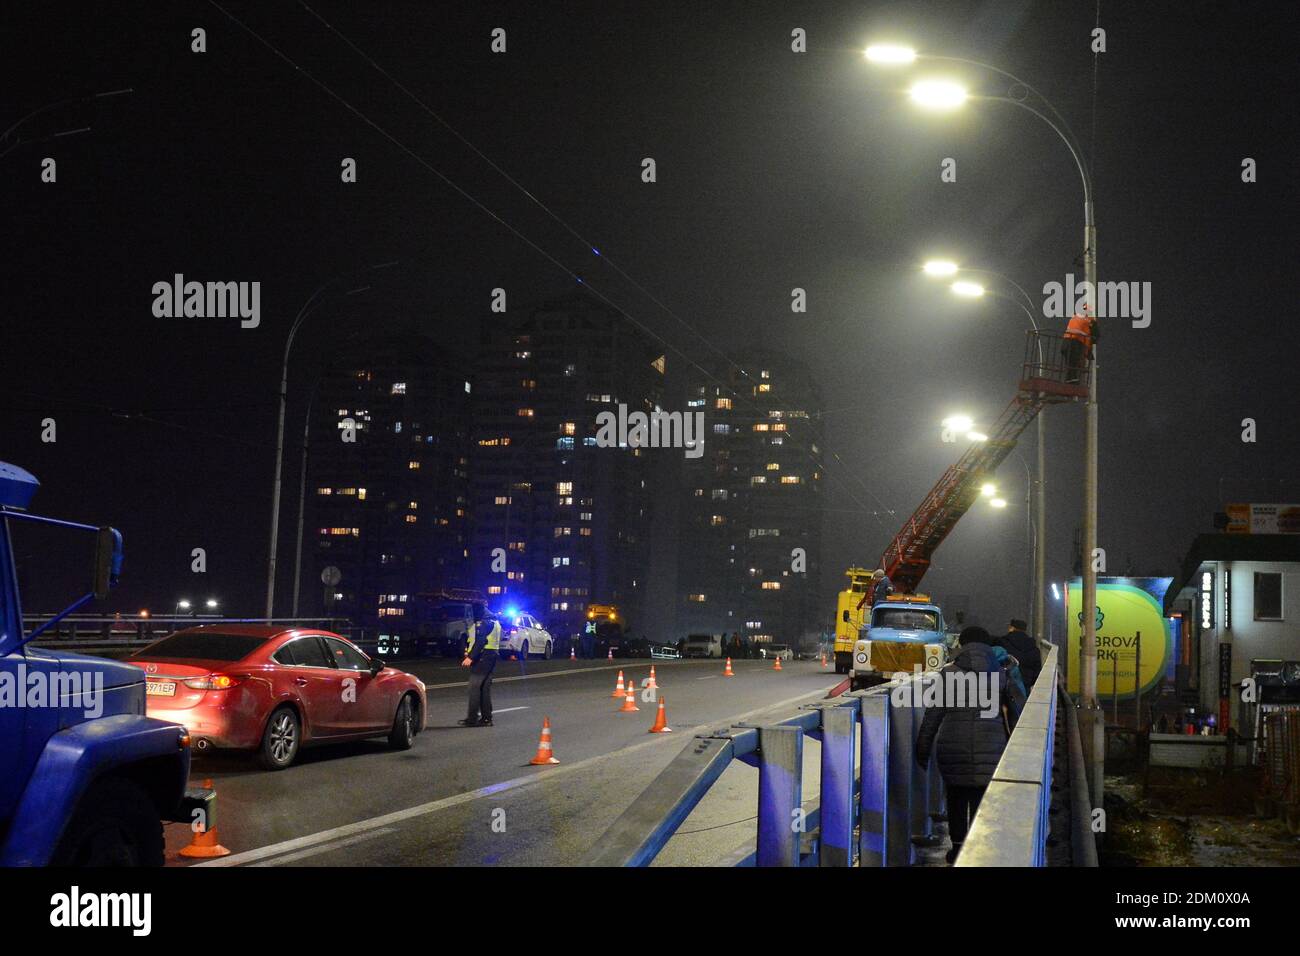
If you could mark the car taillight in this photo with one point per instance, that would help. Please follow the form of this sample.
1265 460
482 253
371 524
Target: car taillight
213 682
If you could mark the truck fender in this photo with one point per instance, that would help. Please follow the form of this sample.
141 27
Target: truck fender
71 760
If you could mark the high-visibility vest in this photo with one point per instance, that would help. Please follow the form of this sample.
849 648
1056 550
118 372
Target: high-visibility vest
493 638
1079 329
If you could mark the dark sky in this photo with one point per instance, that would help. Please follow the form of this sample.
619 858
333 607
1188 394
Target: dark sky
776 170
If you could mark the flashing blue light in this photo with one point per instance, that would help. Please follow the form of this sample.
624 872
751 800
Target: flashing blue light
595 250
512 612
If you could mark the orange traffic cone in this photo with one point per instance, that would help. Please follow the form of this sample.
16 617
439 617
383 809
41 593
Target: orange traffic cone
652 678
823 658
611 654
661 721
778 663
629 702
619 691
544 753
205 844
573 653
728 672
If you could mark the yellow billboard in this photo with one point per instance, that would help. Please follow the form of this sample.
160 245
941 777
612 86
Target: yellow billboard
1130 612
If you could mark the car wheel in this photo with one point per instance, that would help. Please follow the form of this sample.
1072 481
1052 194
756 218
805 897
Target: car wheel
550 649
523 651
405 725
115 824
280 739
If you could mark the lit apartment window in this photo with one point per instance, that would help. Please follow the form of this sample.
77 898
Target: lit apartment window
413 465
721 429
773 466
494 589
584 516
361 494
719 494
761 427
528 383
523 355
324 491
412 519
790 479
779 427
570 428
399 388
716 520
723 403
564 487
524 412
699 492
570 370
771 585
697 598
413 505
765 374
758 480
765 387
502 500
563 532
585 532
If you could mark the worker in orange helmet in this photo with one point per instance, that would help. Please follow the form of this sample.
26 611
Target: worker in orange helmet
1080 337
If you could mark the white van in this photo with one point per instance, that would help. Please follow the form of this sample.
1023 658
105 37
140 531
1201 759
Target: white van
702 645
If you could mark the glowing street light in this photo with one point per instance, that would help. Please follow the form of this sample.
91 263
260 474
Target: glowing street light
183 605
998 502
940 268
976 436
967 290
958 423
938 94
988 490
212 604
890 54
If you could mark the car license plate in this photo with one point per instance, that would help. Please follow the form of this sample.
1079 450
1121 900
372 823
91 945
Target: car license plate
160 688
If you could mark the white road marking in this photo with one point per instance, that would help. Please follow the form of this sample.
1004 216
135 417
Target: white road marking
324 848
710 677
311 843
506 710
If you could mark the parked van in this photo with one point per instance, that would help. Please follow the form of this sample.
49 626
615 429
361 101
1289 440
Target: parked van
702 645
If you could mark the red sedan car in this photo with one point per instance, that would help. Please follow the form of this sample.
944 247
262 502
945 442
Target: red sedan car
264 688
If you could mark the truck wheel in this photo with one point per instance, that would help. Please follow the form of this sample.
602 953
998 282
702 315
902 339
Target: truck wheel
115 824
280 740
402 736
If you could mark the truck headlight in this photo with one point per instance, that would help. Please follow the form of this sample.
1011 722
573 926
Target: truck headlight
933 656
861 658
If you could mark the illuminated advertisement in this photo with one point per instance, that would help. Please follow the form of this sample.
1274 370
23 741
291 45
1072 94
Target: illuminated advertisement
1129 611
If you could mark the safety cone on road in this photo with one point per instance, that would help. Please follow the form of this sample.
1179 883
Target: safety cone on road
661 721
610 655
778 663
652 683
206 844
823 658
545 755
573 653
619 690
728 672
629 702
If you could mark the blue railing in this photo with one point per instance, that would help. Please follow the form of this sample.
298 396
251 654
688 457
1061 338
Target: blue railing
874 810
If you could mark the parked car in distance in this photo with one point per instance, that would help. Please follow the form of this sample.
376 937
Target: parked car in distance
702 645
770 652
274 690
524 636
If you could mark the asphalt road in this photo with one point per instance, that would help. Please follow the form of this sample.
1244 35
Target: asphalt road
468 796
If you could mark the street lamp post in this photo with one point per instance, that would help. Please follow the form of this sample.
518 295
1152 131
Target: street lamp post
1025 302
308 307
943 95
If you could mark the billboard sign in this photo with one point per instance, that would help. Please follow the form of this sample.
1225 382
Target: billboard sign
1263 519
1129 611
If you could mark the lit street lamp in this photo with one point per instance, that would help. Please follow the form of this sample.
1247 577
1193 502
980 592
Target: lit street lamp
936 94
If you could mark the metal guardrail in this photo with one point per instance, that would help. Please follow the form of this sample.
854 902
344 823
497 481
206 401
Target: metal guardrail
84 632
875 813
890 806
1012 824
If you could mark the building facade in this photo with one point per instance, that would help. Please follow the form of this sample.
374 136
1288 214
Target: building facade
388 481
560 522
749 560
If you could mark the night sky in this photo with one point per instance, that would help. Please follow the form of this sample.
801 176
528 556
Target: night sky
776 170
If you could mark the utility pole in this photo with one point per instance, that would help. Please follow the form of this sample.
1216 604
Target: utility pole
1092 722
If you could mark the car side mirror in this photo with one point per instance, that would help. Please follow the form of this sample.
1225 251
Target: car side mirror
376 665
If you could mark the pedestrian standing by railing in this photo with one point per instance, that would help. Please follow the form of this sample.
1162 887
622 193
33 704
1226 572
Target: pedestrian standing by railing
967 737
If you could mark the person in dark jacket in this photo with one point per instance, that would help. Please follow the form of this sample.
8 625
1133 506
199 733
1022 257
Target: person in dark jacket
967 738
1024 649
481 658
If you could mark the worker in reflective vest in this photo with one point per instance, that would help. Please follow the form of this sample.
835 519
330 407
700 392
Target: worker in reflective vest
1080 337
481 659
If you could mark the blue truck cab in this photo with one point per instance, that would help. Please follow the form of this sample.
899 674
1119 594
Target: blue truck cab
86 779
905 631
